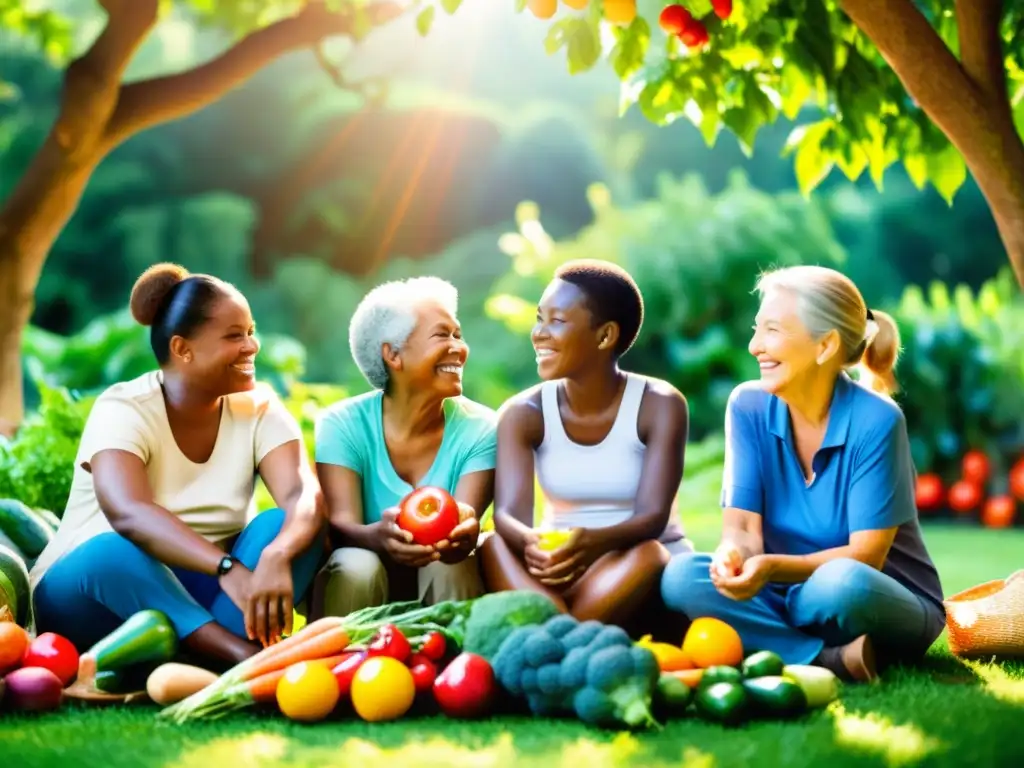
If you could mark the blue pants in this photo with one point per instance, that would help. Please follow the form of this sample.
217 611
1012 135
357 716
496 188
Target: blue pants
842 600
92 589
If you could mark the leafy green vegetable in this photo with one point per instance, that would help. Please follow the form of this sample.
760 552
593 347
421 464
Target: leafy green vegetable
494 617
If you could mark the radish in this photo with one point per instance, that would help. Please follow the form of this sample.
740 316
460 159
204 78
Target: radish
33 689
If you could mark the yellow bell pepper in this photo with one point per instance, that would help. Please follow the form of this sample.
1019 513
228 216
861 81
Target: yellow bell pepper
670 658
552 540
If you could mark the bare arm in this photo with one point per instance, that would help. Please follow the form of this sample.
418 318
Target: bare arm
868 547
126 498
742 530
294 487
664 425
520 428
476 491
343 493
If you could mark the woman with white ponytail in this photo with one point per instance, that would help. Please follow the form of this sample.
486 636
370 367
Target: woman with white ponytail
821 558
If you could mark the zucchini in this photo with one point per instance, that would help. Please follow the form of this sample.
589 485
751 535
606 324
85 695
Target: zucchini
146 637
14 590
130 679
6 542
24 527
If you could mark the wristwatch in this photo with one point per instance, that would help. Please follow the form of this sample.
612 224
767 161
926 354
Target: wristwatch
225 565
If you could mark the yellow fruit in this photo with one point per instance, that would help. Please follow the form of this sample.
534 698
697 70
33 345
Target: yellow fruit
552 540
383 689
670 658
577 5
711 642
307 692
620 11
543 9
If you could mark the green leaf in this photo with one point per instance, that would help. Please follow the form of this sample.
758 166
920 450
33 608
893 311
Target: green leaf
947 172
581 39
812 162
814 36
630 50
916 166
661 101
796 90
424 20
451 6
520 6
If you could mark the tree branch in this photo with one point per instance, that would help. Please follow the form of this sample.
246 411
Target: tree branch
163 99
981 49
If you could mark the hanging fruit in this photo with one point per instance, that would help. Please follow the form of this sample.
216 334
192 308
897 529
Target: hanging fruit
722 8
673 19
620 12
543 9
577 5
695 34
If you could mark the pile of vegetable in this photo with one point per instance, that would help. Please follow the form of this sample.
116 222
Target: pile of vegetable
24 532
378 659
34 671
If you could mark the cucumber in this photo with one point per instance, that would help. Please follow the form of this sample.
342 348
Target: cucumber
145 637
48 517
762 664
776 696
128 679
24 527
724 703
6 542
14 590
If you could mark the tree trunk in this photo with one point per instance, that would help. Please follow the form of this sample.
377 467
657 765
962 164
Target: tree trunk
97 114
966 99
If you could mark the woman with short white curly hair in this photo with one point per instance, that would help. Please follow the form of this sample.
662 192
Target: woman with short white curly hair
412 429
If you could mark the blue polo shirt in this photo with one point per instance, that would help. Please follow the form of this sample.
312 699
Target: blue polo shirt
863 478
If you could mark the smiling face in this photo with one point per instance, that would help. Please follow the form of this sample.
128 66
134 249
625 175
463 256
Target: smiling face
434 355
564 336
221 354
785 350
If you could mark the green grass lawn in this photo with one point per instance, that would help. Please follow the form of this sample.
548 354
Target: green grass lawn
944 713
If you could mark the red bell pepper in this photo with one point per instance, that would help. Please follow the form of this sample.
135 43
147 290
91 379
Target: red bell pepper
466 687
345 671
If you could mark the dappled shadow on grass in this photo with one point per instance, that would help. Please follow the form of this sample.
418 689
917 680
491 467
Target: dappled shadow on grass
942 713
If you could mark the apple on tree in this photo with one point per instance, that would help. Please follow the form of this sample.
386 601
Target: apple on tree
429 514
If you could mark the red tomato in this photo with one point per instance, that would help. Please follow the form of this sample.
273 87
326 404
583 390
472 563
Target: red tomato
964 496
429 514
673 19
424 672
723 8
694 34
928 491
999 512
1017 480
976 467
434 646
55 653
466 688
389 641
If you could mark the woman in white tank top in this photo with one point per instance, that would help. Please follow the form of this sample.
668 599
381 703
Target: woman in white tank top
606 448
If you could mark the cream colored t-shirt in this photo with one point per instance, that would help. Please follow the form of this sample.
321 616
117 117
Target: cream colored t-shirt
213 498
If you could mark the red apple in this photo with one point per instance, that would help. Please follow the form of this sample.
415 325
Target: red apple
928 492
673 19
999 512
964 496
429 514
55 653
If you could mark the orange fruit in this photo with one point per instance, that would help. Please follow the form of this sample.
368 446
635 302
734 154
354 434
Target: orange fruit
711 642
307 692
543 9
383 689
577 5
620 11
13 642
689 676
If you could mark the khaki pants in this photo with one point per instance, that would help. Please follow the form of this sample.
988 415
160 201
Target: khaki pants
356 578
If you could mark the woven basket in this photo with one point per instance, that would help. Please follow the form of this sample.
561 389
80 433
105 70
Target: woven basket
988 620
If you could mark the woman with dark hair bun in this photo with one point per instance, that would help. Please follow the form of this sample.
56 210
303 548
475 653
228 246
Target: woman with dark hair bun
163 485
606 449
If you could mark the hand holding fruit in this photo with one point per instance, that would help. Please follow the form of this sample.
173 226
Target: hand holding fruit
462 540
570 561
727 561
751 579
398 543
271 597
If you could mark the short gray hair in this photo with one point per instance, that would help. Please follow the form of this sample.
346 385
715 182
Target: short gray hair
387 315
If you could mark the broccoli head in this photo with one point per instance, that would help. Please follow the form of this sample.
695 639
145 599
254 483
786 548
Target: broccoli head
590 669
494 616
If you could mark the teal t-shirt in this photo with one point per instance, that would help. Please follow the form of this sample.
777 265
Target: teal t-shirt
350 434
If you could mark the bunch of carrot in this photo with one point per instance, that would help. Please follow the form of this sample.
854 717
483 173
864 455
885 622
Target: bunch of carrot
254 681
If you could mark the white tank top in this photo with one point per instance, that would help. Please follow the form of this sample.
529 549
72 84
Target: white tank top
593 486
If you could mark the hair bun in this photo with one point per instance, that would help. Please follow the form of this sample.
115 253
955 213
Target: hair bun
152 288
